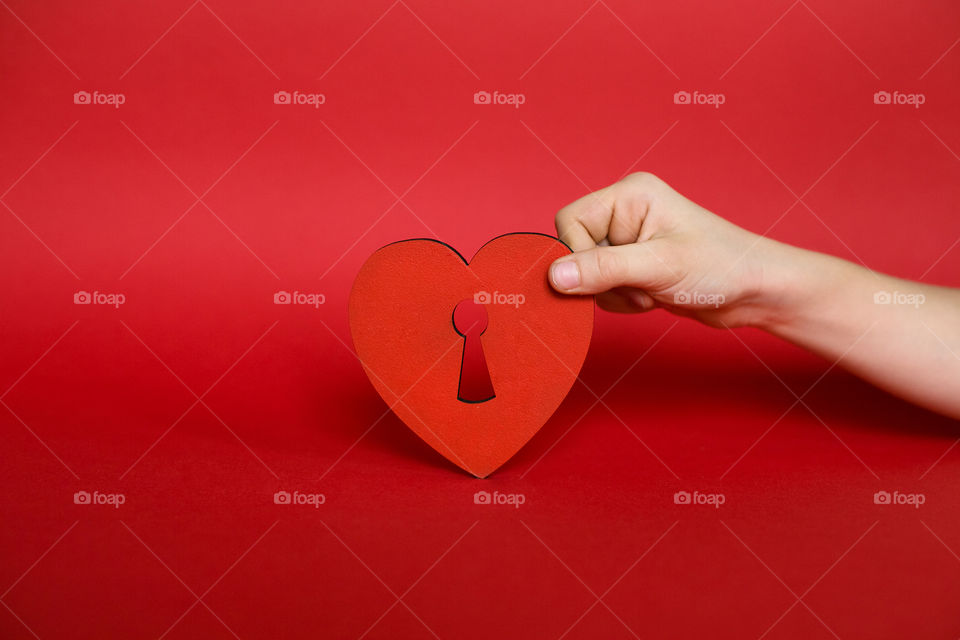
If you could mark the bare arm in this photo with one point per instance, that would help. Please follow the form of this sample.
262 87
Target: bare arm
640 245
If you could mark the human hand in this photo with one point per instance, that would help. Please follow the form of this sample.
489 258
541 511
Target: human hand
640 245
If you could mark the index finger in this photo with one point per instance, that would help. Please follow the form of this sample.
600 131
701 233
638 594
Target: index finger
584 223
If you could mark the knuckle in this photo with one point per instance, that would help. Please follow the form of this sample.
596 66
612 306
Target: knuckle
644 180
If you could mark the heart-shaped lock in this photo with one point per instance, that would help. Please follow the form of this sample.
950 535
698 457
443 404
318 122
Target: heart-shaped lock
414 347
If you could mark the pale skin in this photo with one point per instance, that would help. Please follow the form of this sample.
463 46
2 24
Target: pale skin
639 245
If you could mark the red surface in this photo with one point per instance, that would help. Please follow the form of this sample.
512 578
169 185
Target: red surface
534 343
199 398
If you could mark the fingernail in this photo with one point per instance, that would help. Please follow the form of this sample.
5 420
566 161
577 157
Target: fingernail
565 275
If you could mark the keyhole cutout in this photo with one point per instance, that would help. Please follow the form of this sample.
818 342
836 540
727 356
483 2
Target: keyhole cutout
470 321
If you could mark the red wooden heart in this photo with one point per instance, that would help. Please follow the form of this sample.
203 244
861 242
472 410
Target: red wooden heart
401 319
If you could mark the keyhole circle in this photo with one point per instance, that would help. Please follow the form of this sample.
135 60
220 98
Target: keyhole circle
470 321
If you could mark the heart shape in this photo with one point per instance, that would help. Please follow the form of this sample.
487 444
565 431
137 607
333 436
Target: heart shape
535 341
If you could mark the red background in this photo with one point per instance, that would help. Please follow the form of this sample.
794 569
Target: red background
199 398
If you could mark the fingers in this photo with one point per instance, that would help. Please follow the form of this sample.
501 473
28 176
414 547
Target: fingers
615 213
584 222
604 268
625 300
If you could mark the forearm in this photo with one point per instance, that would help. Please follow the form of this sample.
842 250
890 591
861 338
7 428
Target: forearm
899 335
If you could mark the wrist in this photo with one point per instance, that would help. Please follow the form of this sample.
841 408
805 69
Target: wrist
791 284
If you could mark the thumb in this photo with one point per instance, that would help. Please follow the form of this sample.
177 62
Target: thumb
603 268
